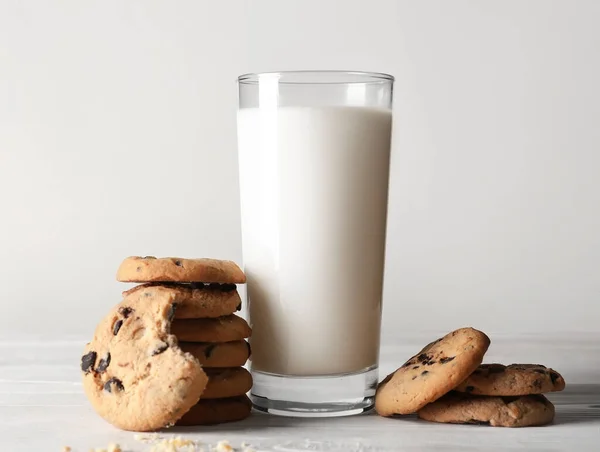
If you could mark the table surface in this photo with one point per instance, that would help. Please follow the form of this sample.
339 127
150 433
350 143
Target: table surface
43 408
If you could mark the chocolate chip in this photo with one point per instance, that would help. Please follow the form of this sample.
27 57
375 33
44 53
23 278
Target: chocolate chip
554 376
138 269
208 350
414 378
87 361
103 363
415 367
117 326
161 348
171 314
425 372
125 311
239 307
447 360
537 384
178 263
426 359
118 385
423 357
469 388
249 348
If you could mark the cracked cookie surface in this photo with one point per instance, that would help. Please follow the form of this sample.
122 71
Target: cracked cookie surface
221 329
134 374
431 373
176 269
512 380
219 354
194 300
217 411
520 411
229 382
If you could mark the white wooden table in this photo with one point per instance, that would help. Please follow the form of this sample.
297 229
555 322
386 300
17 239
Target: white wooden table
43 408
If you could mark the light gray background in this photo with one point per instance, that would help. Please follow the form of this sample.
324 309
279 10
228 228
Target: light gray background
117 137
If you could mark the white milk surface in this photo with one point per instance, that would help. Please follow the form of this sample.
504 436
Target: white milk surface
314 184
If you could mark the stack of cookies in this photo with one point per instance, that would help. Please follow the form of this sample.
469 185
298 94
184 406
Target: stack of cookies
446 382
172 352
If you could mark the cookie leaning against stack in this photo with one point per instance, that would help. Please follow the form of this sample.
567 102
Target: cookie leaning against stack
134 374
446 382
206 298
139 376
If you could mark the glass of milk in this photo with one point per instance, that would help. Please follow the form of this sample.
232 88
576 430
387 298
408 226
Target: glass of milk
314 152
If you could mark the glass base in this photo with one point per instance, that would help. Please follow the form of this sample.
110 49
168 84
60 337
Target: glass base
321 396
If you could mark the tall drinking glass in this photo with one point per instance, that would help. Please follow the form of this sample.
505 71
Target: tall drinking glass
314 152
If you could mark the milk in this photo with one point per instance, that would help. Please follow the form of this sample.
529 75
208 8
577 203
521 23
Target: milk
314 184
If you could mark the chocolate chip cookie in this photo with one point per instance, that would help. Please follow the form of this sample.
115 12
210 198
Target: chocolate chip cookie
222 329
195 300
217 411
512 380
230 382
431 373
520 411
134 374
174 269
218 354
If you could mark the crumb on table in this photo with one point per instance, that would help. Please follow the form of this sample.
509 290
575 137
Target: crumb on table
223 446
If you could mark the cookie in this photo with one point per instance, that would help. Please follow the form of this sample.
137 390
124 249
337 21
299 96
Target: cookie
217 411
230 382
195 300
222 329
512 380
218 354
521 411
174 269
134 374
432 372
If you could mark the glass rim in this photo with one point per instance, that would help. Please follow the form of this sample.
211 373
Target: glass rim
317 77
